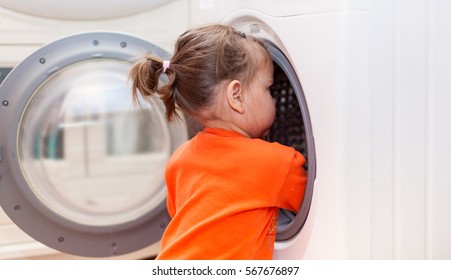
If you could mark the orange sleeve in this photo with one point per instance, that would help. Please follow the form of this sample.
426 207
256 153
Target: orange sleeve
292 190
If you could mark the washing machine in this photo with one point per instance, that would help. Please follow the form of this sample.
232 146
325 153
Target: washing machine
369 77
76 157
315 46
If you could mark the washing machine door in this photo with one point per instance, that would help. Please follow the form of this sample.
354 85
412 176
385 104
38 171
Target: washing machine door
81 166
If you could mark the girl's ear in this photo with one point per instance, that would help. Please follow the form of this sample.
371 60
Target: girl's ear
235 96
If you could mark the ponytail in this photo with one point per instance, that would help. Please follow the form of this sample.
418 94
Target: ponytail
145 78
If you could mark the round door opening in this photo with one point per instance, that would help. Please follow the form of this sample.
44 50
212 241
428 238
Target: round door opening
292 127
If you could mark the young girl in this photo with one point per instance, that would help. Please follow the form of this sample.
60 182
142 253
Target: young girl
225 185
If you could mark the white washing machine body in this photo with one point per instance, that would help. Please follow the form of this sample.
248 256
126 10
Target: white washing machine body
55 53
373 79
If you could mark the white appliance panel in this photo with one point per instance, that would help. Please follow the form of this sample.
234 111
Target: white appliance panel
375 79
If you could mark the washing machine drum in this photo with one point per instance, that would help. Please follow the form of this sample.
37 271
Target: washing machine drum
82 168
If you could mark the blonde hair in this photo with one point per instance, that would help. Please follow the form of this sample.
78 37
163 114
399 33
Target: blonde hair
203 58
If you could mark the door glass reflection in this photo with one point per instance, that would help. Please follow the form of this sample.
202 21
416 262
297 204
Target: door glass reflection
87 151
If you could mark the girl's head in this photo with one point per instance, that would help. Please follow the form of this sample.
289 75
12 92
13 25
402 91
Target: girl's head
205 60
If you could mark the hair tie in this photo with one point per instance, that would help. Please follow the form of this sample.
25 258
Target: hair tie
166 64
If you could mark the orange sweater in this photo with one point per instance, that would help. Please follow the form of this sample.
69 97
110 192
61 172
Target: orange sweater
224 191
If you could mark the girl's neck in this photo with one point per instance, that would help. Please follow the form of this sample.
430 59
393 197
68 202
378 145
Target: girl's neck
225 125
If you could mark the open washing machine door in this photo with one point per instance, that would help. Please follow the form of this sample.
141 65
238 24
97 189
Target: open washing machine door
292 125
81 168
